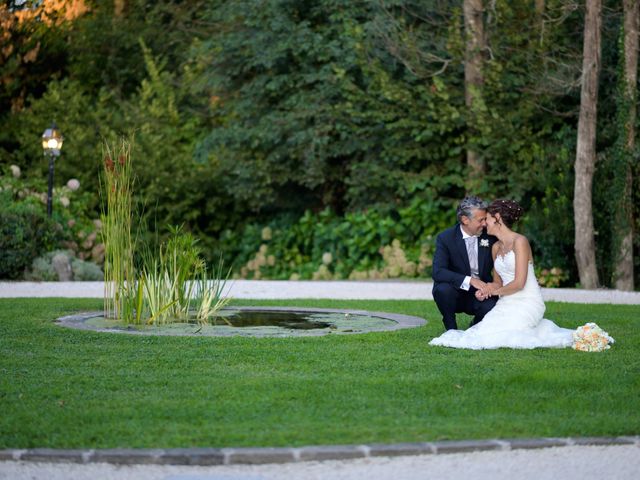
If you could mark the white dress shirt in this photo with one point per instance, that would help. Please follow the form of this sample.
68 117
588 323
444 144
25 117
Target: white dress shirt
466 284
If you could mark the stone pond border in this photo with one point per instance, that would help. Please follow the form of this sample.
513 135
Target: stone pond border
401 321
257 455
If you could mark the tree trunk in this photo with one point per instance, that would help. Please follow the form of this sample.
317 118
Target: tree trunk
118 8
623 273
586 149
473 81
540 9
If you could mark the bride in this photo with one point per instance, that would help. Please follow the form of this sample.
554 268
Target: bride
517 319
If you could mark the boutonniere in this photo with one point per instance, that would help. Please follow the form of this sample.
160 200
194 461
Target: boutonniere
484 242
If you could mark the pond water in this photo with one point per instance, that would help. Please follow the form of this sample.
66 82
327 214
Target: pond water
258 322
266 318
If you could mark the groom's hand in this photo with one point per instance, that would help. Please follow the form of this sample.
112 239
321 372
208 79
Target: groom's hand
477 283
489 289
480 287
485 290
480 296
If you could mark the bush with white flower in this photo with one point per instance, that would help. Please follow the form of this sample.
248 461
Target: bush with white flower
23 202
73 184
591 338
551 277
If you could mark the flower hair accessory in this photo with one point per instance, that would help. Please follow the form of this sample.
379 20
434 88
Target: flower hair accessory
591 338
484 242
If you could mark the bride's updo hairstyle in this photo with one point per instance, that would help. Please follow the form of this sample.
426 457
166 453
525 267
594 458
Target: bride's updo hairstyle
509 210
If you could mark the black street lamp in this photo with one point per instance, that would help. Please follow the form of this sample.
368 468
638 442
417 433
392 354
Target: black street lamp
51 144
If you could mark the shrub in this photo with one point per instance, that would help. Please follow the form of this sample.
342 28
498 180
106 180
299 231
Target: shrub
42 269
326 246
86 271
25 232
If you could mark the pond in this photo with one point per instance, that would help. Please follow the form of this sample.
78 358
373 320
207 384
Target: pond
257 322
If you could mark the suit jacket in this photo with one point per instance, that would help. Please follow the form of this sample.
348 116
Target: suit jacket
451 261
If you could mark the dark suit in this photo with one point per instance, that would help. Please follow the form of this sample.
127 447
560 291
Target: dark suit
450 267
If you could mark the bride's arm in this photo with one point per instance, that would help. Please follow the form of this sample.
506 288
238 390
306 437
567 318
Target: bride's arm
522 250
497 280
489 289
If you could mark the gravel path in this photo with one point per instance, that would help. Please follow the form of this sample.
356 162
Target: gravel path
567 463
270 289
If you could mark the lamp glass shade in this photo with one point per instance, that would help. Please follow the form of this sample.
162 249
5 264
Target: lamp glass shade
52 141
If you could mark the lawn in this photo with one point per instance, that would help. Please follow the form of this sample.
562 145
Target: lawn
62 388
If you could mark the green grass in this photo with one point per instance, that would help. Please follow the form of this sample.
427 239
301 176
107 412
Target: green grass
63 388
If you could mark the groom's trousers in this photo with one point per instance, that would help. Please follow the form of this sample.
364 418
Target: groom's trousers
451 300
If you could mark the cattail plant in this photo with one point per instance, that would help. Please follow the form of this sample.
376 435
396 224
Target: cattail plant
120 290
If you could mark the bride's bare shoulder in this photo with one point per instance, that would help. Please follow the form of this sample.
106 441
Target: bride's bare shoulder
521 245
521 240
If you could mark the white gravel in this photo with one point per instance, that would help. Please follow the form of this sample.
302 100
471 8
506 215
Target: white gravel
566 463
271 289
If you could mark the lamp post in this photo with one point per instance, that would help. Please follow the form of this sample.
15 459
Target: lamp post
51 144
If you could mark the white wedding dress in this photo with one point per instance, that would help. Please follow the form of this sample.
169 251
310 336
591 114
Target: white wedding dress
515 322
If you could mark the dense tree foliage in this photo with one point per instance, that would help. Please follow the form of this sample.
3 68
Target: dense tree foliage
246 114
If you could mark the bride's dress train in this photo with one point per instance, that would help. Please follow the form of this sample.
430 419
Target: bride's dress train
515 322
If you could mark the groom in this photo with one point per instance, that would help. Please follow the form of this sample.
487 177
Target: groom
462 264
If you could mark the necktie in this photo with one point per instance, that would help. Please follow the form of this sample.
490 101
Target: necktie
472 251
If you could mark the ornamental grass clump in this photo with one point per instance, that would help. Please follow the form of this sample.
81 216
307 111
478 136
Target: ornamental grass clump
167 278
180 257
210 294
119 272
157 293
175 283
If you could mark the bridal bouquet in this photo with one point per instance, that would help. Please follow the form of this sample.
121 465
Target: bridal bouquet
591 338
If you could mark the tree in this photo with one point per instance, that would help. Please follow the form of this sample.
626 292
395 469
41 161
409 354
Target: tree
32 49
103 47
584 237
623 274
473 80
306 106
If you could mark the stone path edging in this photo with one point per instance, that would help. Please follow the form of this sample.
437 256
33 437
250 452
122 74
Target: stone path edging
256 455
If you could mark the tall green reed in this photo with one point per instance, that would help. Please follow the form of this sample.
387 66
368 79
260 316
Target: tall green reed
120 290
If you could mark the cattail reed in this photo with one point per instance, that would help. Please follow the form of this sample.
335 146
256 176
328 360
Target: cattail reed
119 274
